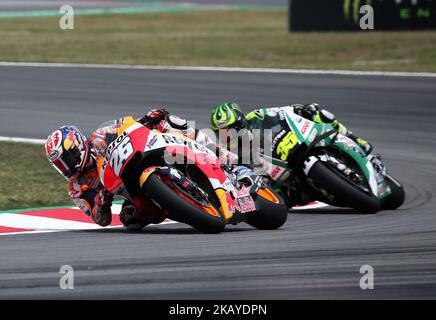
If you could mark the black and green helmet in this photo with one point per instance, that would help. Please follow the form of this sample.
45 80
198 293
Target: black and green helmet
227 115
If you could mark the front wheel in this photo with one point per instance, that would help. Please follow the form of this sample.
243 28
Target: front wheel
343 192
182 208
396 198
271 212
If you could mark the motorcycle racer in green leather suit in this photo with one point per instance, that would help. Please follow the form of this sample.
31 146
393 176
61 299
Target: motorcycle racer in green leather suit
230 116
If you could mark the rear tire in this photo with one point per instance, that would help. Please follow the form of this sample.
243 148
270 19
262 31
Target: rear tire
180 209
396 199
270 215
345 193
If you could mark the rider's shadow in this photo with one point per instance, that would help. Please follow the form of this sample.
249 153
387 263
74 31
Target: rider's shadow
161 230
328 210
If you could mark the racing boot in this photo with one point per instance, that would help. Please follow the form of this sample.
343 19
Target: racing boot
365 145
136 219
324 116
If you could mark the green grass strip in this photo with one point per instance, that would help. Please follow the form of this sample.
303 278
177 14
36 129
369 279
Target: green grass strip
137 10
35 209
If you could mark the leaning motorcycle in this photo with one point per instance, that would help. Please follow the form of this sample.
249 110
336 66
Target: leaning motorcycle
185 181
312 161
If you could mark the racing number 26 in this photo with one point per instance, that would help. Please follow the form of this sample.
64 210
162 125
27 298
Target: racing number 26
120 154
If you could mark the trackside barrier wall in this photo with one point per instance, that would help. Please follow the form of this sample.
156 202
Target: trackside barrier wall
336 15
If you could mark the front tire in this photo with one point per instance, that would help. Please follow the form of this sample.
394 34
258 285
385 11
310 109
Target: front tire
396 198
271 213
180 209
344 192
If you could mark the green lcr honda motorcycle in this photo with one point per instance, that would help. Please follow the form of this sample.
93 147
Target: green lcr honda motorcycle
313 162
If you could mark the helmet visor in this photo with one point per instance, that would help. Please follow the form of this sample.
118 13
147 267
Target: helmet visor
68 162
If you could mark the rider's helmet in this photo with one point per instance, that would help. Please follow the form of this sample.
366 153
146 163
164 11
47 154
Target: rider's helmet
228 116
154 117
67 150
175 124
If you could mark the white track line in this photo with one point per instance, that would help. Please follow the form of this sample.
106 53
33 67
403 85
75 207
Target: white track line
24 140
22 221
66 230
220 69
311 206
38 224
116 208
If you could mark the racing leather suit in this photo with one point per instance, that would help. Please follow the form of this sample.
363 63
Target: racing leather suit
269 118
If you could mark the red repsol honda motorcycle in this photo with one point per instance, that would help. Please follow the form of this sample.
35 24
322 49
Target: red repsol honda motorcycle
185 181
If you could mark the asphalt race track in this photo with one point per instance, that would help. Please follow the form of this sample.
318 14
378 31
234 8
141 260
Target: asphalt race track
317 254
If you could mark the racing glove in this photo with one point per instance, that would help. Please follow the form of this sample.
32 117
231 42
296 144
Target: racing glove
152 119
102 213
307 111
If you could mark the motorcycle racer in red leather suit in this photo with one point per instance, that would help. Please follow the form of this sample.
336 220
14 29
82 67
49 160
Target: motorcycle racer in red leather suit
74 157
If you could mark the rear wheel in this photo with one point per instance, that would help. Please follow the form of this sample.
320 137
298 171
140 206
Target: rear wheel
344 192
272 211
183 208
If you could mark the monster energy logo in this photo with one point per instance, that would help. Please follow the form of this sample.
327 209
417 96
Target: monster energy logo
351 9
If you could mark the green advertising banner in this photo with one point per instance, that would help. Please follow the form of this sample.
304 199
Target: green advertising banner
311 15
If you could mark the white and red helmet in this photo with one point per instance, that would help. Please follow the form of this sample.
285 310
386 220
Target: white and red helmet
67 150
175 124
